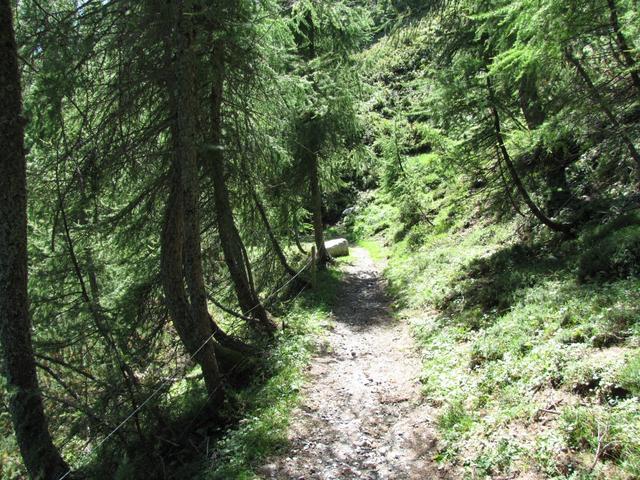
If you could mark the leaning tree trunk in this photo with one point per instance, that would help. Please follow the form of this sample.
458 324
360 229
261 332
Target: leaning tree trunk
277 249
41 458
554 165
230 239
180 242
553 225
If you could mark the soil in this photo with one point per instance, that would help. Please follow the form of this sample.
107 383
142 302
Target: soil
362 415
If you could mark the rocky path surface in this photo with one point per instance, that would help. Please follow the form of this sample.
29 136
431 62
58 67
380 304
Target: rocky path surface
361 415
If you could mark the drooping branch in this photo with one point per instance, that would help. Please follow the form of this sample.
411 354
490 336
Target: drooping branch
600 101
535 210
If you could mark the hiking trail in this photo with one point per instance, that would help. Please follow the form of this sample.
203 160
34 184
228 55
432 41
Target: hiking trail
361 414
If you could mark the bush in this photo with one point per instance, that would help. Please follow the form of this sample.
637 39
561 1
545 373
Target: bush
614 256
630 375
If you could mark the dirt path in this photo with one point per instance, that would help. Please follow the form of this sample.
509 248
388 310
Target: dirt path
361 415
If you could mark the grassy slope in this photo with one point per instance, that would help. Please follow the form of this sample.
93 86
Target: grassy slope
509 331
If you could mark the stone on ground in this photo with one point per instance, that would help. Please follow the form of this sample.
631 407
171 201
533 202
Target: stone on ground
338 247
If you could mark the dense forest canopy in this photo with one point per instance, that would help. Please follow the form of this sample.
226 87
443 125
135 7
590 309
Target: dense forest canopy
163 259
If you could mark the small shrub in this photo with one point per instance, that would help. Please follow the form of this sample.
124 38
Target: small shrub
630 375
455 419
579 426
615 256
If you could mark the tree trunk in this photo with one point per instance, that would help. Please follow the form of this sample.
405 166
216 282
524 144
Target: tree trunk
95 309
40 456
309 150
230 239
171 273
623 45
180 242
272 237
604 106
558 227
316 206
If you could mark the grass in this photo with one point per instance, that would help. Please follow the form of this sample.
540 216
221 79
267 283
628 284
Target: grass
530 346
375 248
266 407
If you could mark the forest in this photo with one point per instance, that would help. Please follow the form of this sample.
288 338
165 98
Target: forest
320 239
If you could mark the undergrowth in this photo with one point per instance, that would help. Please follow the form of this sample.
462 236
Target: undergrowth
232 443
266 407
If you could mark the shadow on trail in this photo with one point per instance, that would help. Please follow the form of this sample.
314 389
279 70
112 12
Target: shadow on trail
361 300
362 416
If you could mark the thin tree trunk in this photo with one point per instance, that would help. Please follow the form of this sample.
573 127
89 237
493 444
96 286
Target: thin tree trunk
230 239
603 106
95 309
274 241
310 154
41 458
623 45
556 226
316 207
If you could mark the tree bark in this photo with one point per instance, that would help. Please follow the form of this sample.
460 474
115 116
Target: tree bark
316 206
553 225
623 45
230 239
180 242
41 458
309 149
171 273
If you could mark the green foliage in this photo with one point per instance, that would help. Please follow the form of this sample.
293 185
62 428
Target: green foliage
629 376
455 420
395 97
612 251
510 320
265 408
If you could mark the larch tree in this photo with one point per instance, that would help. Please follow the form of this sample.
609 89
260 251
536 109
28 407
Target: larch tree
41 458
327 35
237 262
181 257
